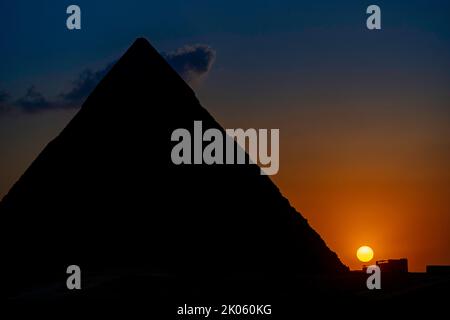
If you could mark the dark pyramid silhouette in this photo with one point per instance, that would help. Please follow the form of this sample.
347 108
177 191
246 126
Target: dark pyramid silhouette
105 194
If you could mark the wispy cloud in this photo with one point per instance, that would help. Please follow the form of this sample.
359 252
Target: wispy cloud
192 63
4 97
84 84
33 101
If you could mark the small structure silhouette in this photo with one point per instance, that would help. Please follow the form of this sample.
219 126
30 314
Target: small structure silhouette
438 269
393 265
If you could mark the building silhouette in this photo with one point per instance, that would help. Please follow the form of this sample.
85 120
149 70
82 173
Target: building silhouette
393 265
438 269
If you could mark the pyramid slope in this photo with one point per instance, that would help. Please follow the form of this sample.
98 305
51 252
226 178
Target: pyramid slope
104 193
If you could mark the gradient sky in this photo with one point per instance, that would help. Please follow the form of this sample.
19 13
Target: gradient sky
363 115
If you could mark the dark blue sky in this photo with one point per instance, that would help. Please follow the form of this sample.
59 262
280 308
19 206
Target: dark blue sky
36 44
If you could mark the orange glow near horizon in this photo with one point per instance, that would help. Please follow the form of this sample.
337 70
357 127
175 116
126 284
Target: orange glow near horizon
358 178
380 181
393 196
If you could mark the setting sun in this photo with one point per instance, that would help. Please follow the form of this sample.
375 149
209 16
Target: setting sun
364 254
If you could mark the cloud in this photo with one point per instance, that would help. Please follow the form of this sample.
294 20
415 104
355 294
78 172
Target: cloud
84 84
33 101
4 97
192 62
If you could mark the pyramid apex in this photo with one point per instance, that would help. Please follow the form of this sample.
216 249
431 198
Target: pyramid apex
144 49
141 43
141 40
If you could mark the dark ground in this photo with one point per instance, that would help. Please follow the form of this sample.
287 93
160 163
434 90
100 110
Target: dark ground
158 296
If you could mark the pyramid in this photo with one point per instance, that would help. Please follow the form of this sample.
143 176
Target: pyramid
105 194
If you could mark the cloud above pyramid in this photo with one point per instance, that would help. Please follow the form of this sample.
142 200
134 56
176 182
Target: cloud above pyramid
191 62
